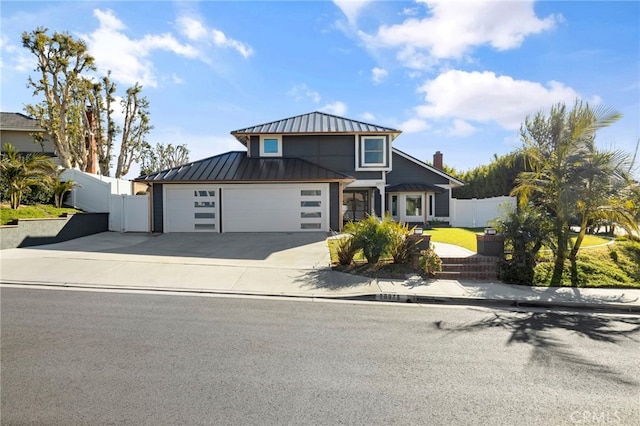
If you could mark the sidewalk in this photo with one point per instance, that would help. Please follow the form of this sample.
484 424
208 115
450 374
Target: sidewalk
122 261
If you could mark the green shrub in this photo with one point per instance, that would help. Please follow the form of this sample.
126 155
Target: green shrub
430 262
371 236
38 195
401 247
525 232
346 249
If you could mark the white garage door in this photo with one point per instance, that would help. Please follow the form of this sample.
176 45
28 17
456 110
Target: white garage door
191 208
275 208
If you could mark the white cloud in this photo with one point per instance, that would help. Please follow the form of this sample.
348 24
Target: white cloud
191 28
195 30
486 97
455 27
14 57
301 91
351 8
414 125
367 116
126 58
378 74
336 108
461 128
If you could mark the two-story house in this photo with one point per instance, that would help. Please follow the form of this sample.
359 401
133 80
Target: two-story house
25 134
311 172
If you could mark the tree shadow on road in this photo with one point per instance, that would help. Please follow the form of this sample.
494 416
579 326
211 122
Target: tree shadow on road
549 350
328 279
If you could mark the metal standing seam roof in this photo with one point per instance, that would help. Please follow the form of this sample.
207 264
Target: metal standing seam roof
312 123
414 187
235 166
18 121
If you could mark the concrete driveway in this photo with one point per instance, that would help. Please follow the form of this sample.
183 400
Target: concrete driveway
290 250
198 261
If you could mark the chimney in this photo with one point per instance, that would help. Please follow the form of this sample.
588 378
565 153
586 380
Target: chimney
437 160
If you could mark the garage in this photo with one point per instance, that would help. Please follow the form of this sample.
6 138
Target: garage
275 208
191 208
246 208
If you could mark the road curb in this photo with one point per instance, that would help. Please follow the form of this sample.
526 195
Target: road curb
376 297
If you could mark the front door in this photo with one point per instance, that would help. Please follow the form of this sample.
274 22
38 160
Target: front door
355 204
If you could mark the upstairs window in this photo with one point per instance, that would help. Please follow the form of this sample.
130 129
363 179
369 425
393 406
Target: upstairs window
373 152
270 146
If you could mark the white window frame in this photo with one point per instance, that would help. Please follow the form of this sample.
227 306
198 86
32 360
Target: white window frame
361 165
403 207
270 154
363 142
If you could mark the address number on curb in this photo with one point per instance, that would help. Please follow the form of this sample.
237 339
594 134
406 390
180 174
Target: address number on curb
391 297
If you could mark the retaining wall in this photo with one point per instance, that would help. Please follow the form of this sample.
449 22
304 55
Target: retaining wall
35 232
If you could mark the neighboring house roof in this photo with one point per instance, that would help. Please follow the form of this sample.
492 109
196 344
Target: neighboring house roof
235 166
18 121
414 187
313 123
453 180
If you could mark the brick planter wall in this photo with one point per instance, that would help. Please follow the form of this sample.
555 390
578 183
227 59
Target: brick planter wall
422 245
490 245
35 232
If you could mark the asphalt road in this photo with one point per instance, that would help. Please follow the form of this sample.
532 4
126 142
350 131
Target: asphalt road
76 357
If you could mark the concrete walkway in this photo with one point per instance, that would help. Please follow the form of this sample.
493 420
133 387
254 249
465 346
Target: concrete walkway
279 264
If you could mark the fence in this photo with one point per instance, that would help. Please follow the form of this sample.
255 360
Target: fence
96 193
129 213
476 213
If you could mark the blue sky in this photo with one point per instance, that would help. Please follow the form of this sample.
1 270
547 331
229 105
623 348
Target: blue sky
454 76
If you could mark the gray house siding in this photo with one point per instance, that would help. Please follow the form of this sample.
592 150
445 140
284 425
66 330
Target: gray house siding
158 216
406 171
254 146
442 204
335 152
377 203
335 206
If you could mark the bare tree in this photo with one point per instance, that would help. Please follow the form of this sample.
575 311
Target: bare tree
162 157
61 60
135 128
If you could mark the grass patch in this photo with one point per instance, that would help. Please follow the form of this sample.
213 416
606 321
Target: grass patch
38 211
616 265
466 237
463 237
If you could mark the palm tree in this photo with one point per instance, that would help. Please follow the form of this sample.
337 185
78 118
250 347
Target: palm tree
60 188
19 173
604 179
568 176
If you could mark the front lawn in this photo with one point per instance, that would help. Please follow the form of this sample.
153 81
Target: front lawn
463 237
600 264
38 211
466 237
616 265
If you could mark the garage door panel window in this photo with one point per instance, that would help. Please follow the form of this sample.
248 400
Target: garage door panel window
310 203
204 226
204 204
204 216
310 226
201 193
311 192
309 215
